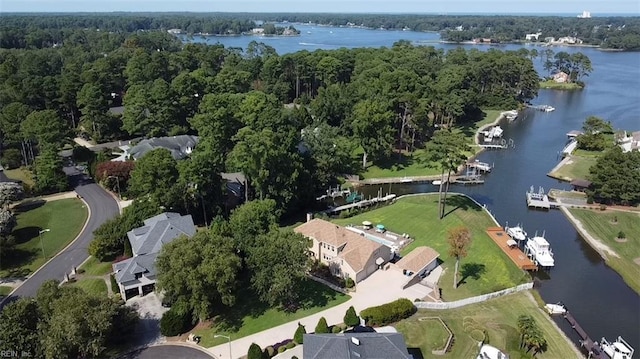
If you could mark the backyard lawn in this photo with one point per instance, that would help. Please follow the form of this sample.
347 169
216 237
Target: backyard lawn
64 218
605 226
416 165
486 269
577 167
497 318
249 316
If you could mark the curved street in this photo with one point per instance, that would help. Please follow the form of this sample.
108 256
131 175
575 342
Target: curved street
169 351
102 207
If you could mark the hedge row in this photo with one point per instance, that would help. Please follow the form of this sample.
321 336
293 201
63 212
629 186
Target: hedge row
388 313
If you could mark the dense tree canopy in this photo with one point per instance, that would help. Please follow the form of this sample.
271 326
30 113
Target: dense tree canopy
615 177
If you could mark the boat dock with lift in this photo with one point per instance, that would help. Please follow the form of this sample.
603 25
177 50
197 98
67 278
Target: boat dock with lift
361 204
539 200
500 237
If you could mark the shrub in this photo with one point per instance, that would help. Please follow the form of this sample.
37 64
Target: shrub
336 329
299 334
589 199
255 352
114 284
388 313
621 235
290 345
174 323
269 352
603 207
11 158
322 326
349 283
281 349
351 318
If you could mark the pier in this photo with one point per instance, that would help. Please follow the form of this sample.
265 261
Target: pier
543 108
361 204
501 145
480 166
591 347
500 237
540 200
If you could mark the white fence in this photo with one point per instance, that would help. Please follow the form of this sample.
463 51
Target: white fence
472 300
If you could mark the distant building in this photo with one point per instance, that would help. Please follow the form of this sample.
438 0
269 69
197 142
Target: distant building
569 40
530 37
355 346
631 142
174 31
180 147
584 15
137 275
561 77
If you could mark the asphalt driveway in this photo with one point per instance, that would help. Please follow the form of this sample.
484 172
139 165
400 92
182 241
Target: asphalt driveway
150 310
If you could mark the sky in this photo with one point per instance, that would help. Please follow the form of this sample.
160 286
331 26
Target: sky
629 7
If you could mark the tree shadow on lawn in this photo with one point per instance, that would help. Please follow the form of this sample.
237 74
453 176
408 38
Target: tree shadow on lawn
248 304
460 202
395 162
25 234
472 270
14 263
28 205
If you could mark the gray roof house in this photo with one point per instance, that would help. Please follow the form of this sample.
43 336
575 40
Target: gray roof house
180 147
137 275
355 346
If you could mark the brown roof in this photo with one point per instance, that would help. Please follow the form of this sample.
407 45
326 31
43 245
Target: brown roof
357 249
419 258
581 183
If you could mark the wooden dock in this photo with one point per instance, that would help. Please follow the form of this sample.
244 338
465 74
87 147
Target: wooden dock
500 237
361 204
592 348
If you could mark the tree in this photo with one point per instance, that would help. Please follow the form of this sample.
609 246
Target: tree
199 273
174 323
115 175
19 327
154 176
50 177
94 107
614 177
459 239
594 138
46 127
322 327
254 352
372 127
330 152
447 150
252 219
279 262
351 319
299 334
10 192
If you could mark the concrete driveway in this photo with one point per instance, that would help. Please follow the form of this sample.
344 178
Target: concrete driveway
150 310
170 351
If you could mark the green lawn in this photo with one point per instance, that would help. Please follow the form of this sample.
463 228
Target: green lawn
64 218
4 290
552 85
487 268
21 174
496 317
249 316
576 168
95 267
416 164
93 286
603 226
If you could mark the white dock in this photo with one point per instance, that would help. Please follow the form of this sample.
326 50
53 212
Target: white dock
539 200
363 203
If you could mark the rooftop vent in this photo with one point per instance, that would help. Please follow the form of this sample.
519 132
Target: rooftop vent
355 341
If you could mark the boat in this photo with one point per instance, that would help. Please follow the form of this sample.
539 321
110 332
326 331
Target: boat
436 182
490 352
511 115
619 349
548 108
516 233
554 309
540 251
406 180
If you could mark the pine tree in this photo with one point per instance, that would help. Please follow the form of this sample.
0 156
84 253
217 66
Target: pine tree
299 335
255 352
351 319
322 326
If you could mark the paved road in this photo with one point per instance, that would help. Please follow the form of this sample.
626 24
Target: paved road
103 207
170 352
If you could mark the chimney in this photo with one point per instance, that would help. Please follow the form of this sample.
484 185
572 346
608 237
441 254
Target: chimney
309 216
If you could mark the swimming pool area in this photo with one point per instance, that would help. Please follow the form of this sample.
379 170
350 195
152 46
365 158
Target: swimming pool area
391 240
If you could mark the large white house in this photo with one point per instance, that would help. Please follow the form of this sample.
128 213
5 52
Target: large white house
137 275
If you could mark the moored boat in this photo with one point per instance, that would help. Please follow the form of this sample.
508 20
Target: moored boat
554 309
516 233
540 251
619 349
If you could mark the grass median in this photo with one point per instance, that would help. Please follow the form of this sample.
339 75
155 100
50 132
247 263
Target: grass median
63 219
486 268
606 226
496 319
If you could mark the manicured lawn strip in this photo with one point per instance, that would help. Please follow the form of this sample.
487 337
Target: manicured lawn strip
4 290
65 218
93 286
249 316
498 317
577 168
552 85
416 164
418 217
21 174
95 267
602 225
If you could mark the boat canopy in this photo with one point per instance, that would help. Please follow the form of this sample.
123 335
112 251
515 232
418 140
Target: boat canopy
380 226
366 223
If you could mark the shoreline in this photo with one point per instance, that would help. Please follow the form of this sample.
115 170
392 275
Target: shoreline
602 248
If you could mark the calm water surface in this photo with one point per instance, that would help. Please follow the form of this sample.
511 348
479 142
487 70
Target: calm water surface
601 302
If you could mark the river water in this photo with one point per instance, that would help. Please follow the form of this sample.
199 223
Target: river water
596 295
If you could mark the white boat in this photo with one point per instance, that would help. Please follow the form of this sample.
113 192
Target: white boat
548 108
490 352
540 251
516 233
619 349
554 309
406 180
436 182
511 115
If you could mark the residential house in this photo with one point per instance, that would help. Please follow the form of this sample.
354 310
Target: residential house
631 142
580 185
561 77
569 40
355 346
530 37
137 275
417 265
180 147
348 254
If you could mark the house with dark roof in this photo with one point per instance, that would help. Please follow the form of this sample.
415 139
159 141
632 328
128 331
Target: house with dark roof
355 346
179 146
137 275
348 254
